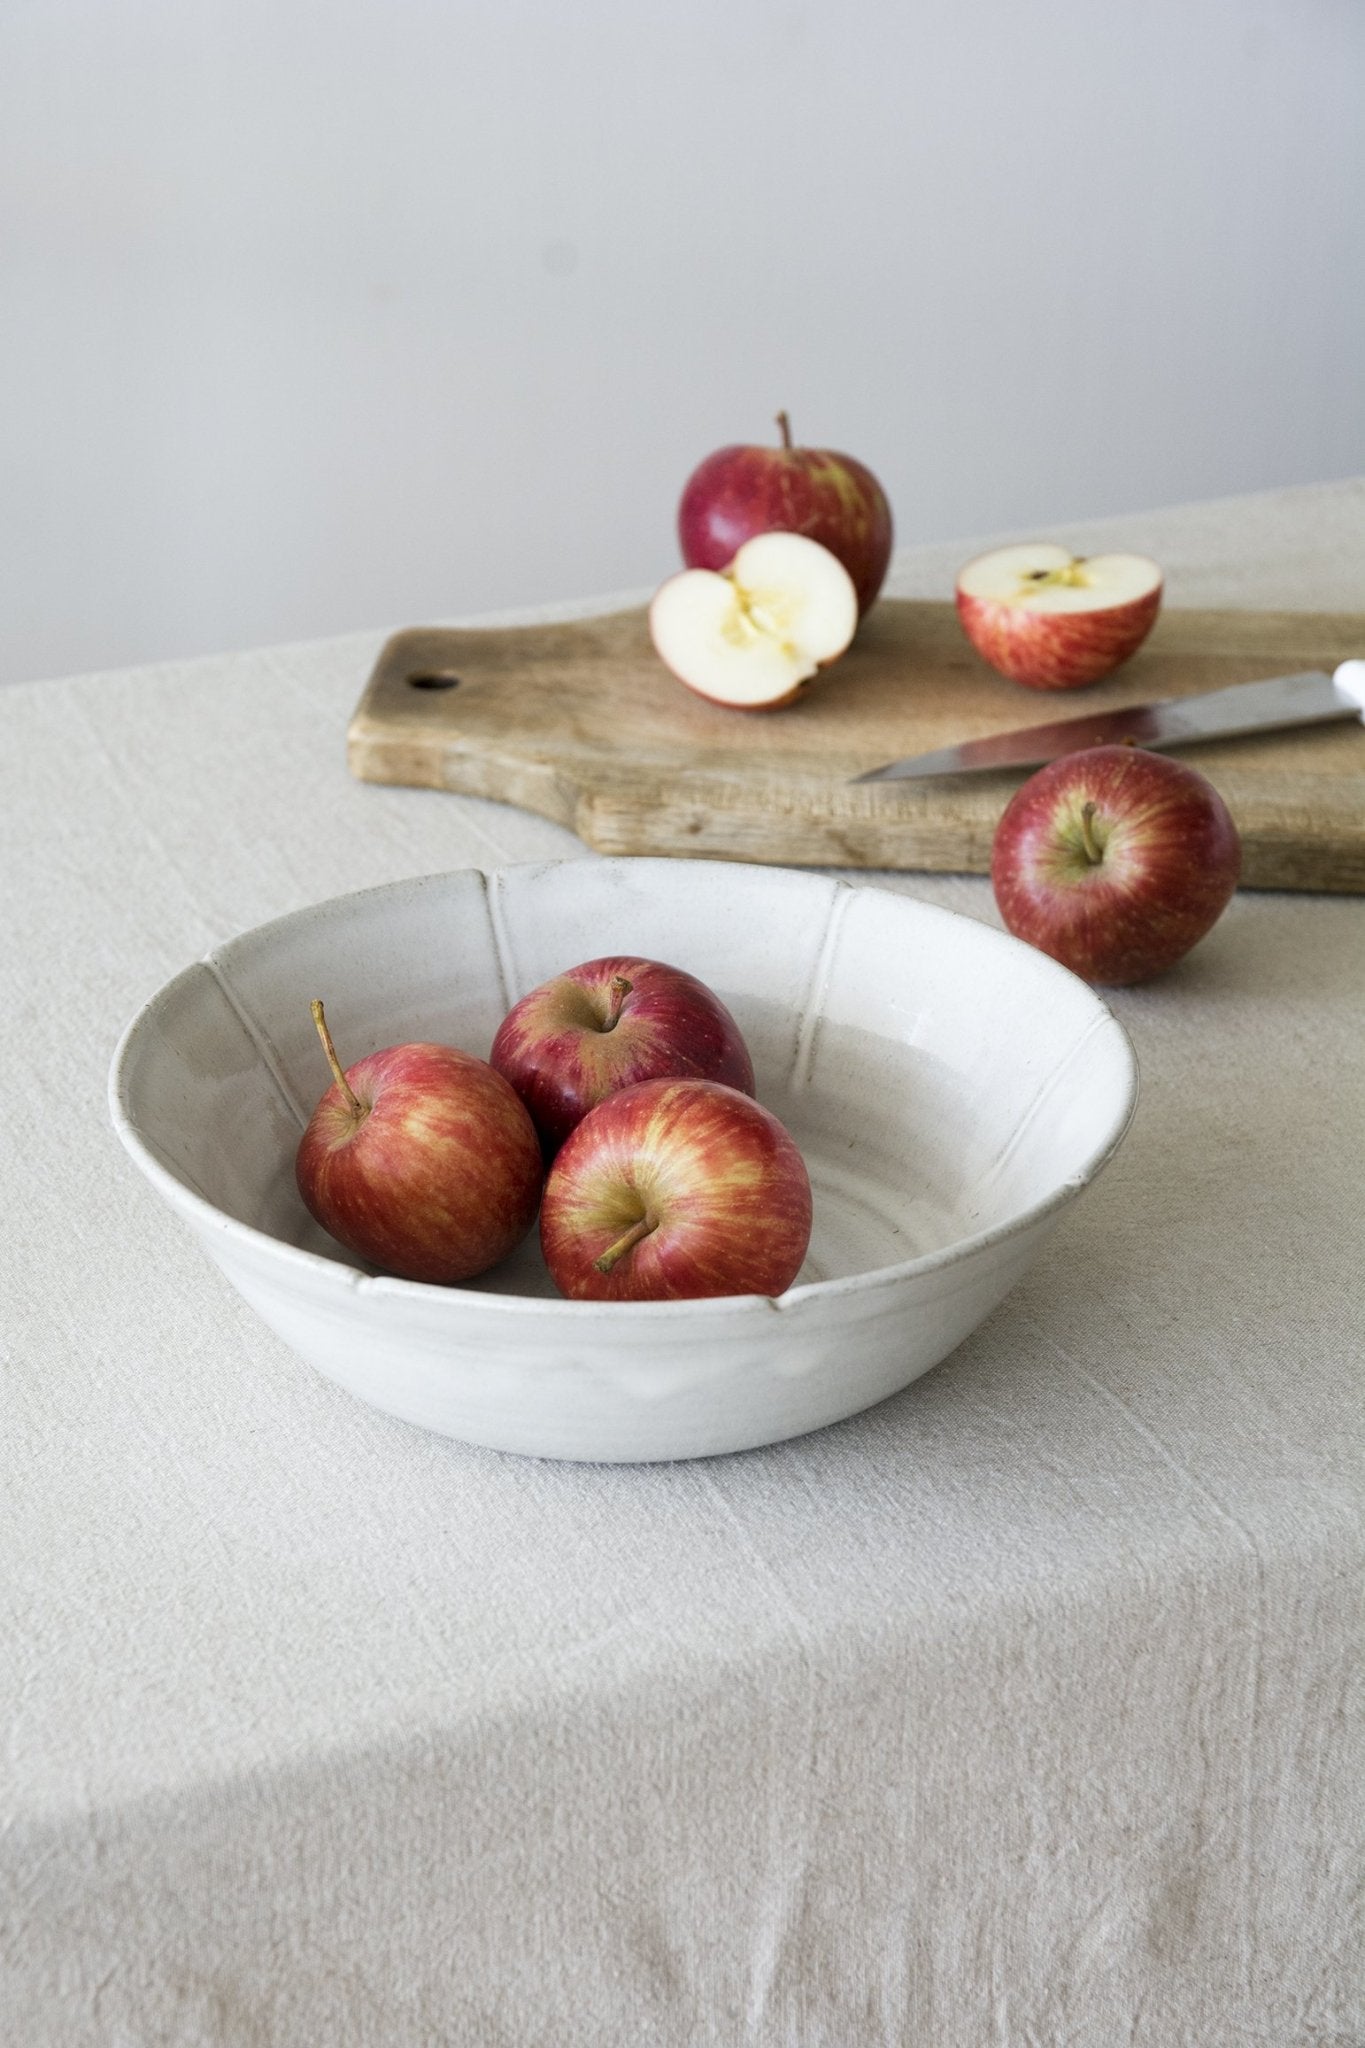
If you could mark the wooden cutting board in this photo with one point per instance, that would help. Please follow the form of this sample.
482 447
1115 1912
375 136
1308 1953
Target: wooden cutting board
582 723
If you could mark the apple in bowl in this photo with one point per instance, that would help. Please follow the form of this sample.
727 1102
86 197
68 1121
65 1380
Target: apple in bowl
1115 861
745 490
1053 620
609 1024
676 1190
421 1160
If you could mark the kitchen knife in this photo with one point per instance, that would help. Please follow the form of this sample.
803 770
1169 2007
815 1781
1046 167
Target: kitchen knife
1313 698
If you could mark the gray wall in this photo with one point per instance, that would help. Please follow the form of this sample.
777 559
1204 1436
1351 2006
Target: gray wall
328 315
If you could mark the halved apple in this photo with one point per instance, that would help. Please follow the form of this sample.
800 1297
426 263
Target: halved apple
1054 620
752 636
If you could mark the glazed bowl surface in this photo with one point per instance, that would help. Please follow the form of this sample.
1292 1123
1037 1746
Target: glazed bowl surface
952 1092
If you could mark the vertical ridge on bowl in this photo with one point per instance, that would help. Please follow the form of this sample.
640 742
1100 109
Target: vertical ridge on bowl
1052 1083
266 1049
812 1006
429 971
510 988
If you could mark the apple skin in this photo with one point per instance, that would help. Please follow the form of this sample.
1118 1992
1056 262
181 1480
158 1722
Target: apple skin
745 490
710 1180
437 1179
1056 650
562 1054
1169 859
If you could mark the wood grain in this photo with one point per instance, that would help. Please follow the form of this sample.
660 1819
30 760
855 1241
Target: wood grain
580 722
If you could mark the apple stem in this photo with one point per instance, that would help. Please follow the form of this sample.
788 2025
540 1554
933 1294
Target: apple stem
784 428
357 1106
1094 852
620 989
624 1244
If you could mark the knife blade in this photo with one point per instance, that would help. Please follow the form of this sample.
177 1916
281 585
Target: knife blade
1310 698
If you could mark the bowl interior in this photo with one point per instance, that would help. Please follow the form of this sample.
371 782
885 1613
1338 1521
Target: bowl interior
941 1079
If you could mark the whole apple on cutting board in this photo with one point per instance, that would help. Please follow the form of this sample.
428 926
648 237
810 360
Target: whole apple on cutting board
745 490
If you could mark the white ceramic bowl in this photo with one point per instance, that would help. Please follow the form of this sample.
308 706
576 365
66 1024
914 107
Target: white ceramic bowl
951 1090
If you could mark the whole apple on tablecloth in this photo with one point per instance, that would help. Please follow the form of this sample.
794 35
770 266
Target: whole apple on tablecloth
1115 861
421 1160
675 1190
752 635
744 490
1054 620
610 1024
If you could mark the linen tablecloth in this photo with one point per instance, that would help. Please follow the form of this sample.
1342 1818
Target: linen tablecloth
1024 1709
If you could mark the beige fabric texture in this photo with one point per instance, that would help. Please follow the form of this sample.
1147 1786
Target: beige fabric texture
1021 1712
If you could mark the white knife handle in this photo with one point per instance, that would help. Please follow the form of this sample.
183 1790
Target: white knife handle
1350 677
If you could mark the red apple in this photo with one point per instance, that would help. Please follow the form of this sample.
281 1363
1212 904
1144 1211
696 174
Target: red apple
740 491
673 1190
607 1025
1054 620
421 1160
752 636
1115 861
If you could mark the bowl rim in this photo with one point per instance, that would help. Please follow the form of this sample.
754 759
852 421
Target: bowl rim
342 1274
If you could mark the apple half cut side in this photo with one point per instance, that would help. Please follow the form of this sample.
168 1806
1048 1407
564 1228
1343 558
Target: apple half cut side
1053 620
752 636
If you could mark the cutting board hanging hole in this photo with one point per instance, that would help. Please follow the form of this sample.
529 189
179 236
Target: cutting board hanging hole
434 679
